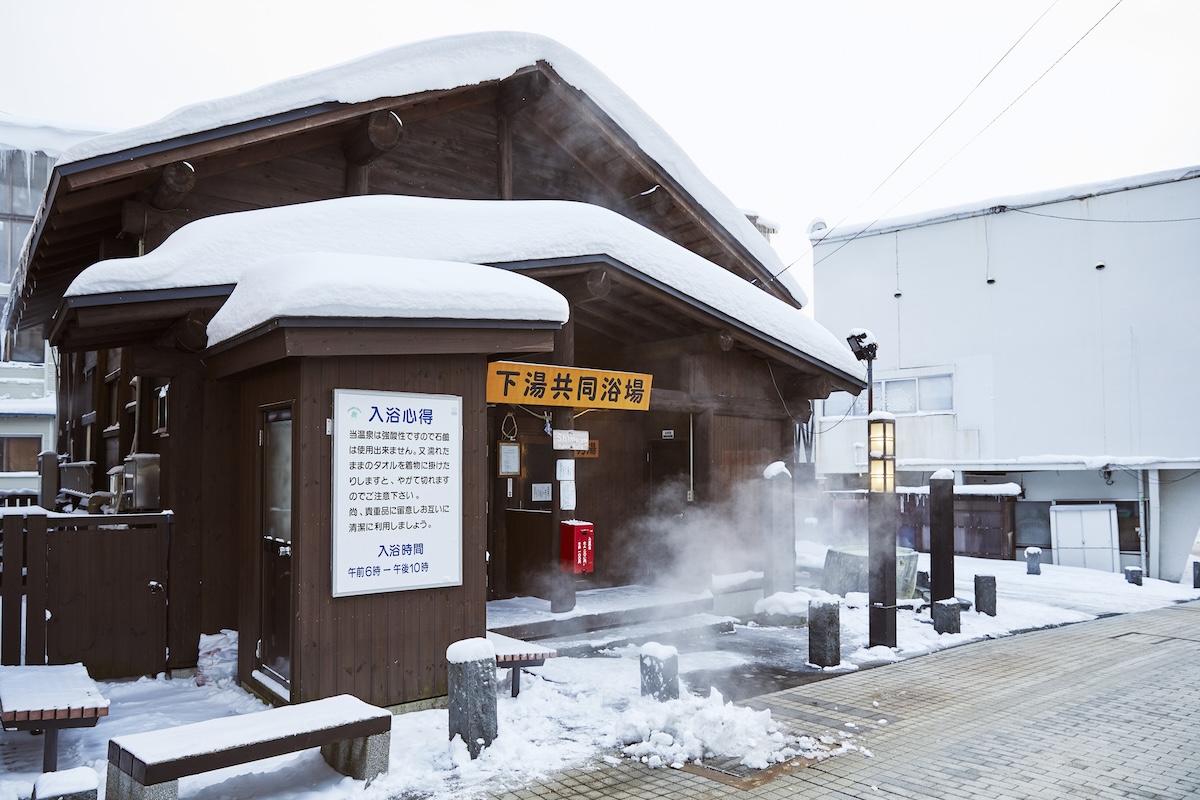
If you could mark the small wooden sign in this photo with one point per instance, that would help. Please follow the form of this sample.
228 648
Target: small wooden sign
593 450
574 387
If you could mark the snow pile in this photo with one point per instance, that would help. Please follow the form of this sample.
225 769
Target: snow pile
792 604
359 286
776 468
693 728
465 651
218 657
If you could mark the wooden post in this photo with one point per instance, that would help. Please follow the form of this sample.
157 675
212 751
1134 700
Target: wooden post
48 481
35 589
562 585
882 514
941 538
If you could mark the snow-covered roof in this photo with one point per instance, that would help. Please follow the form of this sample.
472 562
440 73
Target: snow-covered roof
366 286
820 235
220 250
33 135
445 64
1051 462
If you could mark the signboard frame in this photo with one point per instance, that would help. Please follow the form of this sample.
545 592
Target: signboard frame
407 457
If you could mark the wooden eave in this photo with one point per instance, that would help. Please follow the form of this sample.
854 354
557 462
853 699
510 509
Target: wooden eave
323 337
635 299
120 319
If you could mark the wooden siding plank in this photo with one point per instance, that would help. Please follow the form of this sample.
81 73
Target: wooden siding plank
35 589
12 588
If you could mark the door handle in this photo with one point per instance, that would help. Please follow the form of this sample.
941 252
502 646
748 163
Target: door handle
155 587
285 550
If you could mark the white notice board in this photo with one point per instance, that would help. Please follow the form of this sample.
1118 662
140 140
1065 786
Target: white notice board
397 491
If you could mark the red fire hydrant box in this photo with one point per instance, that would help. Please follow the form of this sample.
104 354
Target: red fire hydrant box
576 540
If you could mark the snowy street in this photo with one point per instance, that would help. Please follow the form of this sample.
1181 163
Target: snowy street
574 713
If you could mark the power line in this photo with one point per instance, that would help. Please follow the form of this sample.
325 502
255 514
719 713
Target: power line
946 119
976 136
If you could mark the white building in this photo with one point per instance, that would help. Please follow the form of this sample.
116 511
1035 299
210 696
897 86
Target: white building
1048 340
28 150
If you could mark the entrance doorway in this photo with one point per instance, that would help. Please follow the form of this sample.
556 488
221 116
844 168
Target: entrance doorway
275 646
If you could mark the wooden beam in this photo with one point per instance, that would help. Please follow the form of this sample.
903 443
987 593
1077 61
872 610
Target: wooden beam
521 91
504 156
726 406
283 341
173 184
137 219
161 362
190 334
579 289
699 344
378 133
413 107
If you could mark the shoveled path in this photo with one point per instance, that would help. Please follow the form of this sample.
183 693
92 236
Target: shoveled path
1104 709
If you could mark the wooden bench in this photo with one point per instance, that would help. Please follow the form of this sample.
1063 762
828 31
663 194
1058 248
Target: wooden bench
44 697
354 738
516 654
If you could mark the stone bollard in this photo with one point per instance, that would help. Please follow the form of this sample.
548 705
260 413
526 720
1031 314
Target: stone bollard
825 633
471 687
80 783
1033 561
985 594
660 671
1134 575
1196 574
946 615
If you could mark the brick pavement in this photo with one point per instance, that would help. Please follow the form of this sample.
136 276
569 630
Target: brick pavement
1104 709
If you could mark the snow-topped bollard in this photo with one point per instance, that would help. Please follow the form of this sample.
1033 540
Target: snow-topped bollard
80 783
824 633
660 671
1033 561
472 692
1134 575
985 594
946 615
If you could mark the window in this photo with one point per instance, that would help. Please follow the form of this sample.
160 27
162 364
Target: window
160 409
920 395
19 453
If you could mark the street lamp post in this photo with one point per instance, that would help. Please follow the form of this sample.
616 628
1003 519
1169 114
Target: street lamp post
882 506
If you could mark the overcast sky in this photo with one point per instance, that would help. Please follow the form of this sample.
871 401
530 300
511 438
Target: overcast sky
795 109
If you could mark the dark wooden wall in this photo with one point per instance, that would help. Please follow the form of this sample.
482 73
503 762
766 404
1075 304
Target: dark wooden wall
386 648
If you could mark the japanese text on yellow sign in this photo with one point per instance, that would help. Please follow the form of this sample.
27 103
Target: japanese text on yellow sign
548 385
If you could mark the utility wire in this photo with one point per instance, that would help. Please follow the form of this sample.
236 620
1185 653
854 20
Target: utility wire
946 119
976 136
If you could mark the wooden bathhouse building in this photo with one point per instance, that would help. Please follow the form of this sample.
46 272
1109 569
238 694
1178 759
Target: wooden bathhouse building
339 325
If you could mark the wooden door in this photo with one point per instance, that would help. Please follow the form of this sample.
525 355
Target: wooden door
106 598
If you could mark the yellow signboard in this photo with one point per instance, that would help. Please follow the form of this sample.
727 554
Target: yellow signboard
549 385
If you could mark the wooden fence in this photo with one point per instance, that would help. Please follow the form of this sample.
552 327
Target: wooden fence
85 588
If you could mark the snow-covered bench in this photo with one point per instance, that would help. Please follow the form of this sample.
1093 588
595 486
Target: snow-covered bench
46 698
516 654
354 738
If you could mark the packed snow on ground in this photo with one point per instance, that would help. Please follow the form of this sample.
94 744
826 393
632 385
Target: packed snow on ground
573 712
